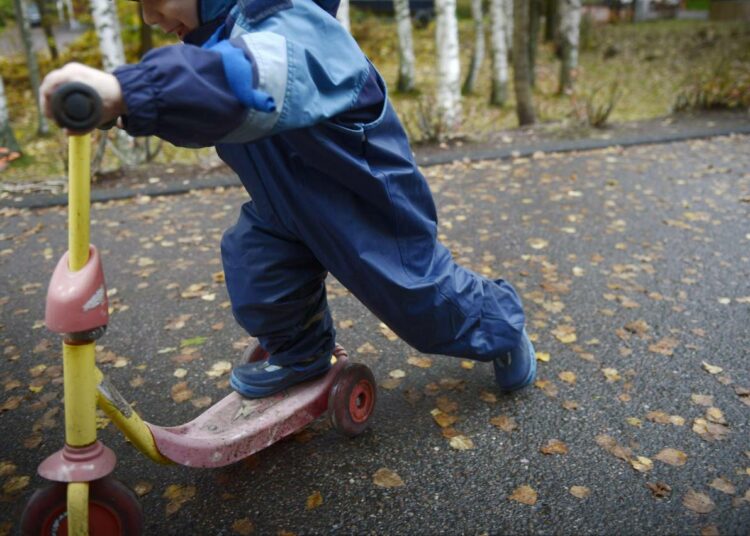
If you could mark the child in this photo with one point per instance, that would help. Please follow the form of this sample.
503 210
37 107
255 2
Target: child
299 113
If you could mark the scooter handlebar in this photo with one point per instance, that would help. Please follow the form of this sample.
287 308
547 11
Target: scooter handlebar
77 106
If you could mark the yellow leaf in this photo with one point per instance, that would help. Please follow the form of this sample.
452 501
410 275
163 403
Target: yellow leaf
178 495
443 419
243 527
537 243
142 488
634 421
723 485
712 369
397 373
15 484
581 492
7 468
524 494
698 502
385 478
181 392
461 442
715 415
346 324
218 369
672 456
567 376
612 375
702 400
468 365
642 464
554 446
488 397
388 333
565 334
367 348
314 500
544 357
390 383
421 362
505 423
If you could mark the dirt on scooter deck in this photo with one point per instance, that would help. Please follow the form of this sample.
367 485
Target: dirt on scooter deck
236 427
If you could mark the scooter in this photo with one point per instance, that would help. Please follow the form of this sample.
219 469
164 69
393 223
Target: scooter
83 497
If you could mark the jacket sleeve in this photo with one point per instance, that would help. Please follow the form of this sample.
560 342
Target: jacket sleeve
182 93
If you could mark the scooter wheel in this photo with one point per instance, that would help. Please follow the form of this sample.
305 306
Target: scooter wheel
352 399
114 510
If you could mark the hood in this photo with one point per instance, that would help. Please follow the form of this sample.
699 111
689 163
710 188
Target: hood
211 10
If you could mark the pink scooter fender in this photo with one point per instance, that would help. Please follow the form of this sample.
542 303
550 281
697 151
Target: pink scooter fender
236 427
77 301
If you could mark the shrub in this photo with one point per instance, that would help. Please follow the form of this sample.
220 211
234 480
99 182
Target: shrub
726 87
594 107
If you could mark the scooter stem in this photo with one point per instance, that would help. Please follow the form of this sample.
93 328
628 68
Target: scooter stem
79 195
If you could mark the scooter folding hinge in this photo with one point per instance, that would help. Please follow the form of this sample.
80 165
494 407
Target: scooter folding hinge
77 303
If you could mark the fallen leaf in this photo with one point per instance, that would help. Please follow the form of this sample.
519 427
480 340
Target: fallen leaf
461 442
243 527
698 502
634 421
178 495
544 357
537 243
714 414
665 346
547 387
711 369
177 323
486 396
390 383
467 365
571 405
15 484
142 488
397 373
710 530
565 334
702 400
672 457
218 369
421 362
194 341
568 377
388 332
554 446
524 494
367 348
659 489
181 392
580 492
443 419
385 478
7 468
313 501
723 485
505 423
642 464
710 431
202 402
612 375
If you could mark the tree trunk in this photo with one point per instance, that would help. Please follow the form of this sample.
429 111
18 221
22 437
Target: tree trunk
642 8
509 22
498 44
449 66
49 35
31 62
551 21
477 56
7 138
73 24
146 36
406 61
107 27
521 82
343 14
570 29
535 13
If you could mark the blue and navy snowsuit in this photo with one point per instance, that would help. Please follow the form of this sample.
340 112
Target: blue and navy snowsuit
332 179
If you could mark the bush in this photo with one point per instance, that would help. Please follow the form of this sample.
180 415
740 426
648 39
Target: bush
726 87
594 107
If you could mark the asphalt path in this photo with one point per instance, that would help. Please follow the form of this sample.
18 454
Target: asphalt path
633 264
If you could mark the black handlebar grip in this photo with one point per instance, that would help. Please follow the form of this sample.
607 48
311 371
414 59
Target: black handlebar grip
77 106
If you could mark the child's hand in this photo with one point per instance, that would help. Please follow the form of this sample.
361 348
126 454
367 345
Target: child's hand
103 83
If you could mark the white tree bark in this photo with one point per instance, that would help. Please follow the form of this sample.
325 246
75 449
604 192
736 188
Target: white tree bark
449 66
477 56
406 61
343 14
7 139
107 25
499 48
72 22
570 31
508 11
642 10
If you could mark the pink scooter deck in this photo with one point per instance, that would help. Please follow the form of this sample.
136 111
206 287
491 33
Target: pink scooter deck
236 427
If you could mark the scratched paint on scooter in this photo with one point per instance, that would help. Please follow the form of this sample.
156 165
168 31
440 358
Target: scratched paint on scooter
236 427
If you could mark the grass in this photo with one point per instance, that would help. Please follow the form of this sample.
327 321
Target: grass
650 63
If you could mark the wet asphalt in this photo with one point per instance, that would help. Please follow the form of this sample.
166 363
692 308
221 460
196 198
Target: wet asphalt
633 264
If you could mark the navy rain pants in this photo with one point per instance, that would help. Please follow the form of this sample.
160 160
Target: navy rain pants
349 200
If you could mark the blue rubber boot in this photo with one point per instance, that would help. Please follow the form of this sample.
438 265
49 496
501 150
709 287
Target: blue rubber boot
517 368
261 378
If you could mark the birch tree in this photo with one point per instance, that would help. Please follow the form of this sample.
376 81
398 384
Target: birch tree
642 9
499 49
477 56
406 61
46 24
31 62
107 25
7 138
449 67
343 14
570 30
521 68
509 21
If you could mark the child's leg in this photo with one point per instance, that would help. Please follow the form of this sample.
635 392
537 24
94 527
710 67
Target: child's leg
277 290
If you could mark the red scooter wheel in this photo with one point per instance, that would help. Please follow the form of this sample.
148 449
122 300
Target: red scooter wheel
352 399
114 510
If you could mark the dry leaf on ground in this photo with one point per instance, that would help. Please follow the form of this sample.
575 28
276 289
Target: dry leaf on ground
524 494
581 492
314 500
698 502
672 456
554 446
461 442
505 423
385 478
243 527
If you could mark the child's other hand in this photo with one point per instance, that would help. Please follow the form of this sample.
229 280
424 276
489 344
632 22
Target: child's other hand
104 83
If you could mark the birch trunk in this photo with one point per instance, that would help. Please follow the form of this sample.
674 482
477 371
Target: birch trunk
642 9
570 30
477 56
406 61
72 22
449 67
107 25
343 15
31 62
7 138
521 82
509 22
499 47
